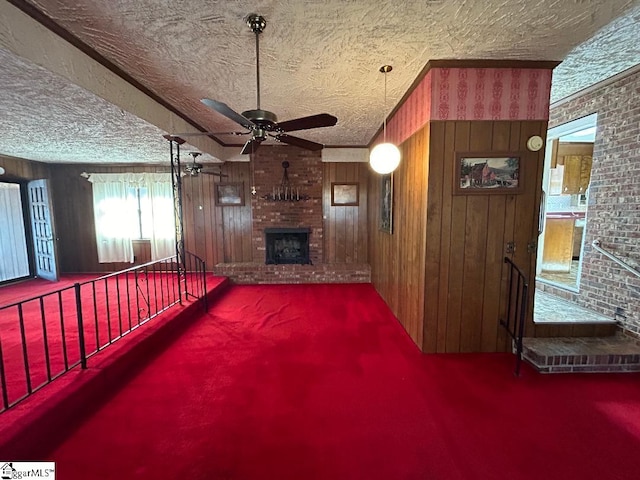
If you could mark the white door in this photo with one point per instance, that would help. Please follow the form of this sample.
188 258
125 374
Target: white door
44 245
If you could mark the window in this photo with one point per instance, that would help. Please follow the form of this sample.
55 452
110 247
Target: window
129 207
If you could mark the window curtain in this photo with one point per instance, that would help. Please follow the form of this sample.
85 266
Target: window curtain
163 230
115 219
115 206
14 262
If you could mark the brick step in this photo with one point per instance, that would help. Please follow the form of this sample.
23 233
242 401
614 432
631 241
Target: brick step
583 354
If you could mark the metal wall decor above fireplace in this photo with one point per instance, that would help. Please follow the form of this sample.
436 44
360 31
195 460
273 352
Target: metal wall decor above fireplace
287 245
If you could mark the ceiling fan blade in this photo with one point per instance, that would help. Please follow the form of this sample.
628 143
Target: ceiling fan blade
251 146
228 112
197 134
215 174
304 123
299 142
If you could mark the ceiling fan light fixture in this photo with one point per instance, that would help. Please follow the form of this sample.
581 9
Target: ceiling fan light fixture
385 157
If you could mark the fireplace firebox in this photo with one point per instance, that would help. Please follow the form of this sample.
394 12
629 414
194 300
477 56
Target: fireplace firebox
287 245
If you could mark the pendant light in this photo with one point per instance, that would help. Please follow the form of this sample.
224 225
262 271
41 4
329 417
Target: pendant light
385 157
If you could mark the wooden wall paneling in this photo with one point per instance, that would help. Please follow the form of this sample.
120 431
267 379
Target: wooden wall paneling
503 340
75 226
188 205
18 169
433 265
475 248
345 227
340 229
362 232
218 226
457 253
236 221
227 228
200 247
418 215
209 231
445 230
411 243
327 212
402 236
334 227
350 218
494 269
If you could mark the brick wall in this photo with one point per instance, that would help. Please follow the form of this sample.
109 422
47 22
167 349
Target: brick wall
305 173
613 214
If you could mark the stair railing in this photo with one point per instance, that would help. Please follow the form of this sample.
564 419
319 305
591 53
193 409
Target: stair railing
44 337
516 309
596 244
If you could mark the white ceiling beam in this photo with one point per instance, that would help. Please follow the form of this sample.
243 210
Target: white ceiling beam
28 39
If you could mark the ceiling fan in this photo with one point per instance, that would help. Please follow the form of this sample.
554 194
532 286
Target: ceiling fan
262 124
194 168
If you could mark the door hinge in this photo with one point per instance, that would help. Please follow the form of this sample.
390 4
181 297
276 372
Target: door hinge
532 246
511 247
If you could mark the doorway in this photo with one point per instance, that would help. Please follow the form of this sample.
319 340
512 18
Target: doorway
14 255
567 174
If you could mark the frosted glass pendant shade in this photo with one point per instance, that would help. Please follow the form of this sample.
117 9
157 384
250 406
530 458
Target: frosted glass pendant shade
384 158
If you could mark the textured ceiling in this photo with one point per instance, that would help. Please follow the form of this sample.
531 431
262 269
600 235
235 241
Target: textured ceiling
316 56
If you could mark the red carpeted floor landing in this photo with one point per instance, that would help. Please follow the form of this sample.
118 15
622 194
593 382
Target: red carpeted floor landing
51 325
320 382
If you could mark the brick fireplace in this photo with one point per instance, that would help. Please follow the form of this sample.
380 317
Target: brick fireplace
305 174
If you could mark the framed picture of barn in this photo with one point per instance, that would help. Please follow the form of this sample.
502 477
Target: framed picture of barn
488 173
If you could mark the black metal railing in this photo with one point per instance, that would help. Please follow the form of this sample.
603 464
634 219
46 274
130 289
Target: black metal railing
45 336
516 309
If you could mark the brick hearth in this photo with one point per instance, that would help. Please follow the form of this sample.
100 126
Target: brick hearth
248 273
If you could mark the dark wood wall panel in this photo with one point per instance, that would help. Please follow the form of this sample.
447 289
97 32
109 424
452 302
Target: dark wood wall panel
345 227
217 234
17 169
398 260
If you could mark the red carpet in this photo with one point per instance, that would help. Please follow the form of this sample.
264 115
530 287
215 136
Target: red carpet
103 321
320 382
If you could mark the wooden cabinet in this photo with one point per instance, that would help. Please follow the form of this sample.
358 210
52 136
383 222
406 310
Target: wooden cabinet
558 245
576 159
571 178
577 174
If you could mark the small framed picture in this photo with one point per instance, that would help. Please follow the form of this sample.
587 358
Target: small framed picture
488 173
229 194
344 194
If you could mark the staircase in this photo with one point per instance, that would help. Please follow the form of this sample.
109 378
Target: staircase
612 352
583 354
